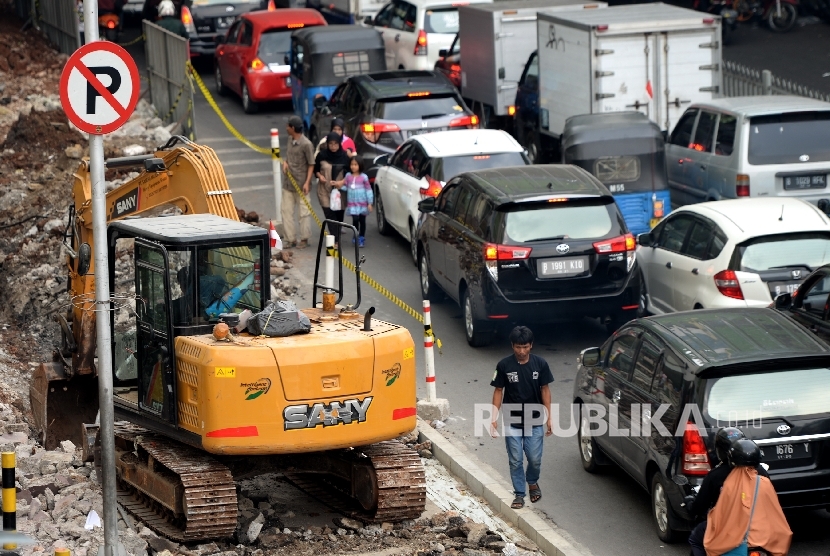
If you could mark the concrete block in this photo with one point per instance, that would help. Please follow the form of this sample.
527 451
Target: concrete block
429 411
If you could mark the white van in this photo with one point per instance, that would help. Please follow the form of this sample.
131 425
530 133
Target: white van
760 146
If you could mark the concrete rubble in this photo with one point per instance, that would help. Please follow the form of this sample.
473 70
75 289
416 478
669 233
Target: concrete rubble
58 494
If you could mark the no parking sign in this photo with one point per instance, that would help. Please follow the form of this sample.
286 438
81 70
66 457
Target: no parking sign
99 87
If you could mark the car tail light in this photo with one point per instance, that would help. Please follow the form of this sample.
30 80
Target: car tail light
728 284
372 131
695 455
742 186
271 6
257 65
659 209
511 110
432 188
421 44
493 253
187 20
469 122
620 244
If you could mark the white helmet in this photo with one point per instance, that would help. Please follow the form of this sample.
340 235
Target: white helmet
166 8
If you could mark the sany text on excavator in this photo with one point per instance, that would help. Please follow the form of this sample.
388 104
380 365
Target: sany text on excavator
193 409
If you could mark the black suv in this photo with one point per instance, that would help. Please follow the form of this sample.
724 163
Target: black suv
752 368
384 109
207 19
528 244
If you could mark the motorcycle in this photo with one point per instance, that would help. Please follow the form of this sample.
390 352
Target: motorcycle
780 15
108 25
751 551
723 8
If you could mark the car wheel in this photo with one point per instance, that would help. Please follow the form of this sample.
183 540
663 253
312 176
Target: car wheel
477 333
221 90
428 289
249 106
588 449
413 243
660 510
383 226
642 302
784 22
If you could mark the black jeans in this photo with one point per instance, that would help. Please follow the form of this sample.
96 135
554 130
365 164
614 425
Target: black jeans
359 222
696 539
334 215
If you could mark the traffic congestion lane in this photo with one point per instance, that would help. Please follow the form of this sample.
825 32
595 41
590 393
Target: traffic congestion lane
606 513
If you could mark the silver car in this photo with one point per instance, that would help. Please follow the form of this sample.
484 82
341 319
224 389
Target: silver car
760 146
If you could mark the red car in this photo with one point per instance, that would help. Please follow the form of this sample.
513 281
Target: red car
251 59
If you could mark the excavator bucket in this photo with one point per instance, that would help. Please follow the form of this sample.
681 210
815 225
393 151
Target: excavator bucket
61 406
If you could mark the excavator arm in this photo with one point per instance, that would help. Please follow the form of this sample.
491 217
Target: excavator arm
191 178
179 174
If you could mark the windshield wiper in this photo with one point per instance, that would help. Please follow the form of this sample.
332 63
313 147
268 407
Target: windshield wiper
430 116
550 238
790 266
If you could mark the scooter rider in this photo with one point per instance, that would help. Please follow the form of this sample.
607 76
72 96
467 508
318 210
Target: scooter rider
747 513
710 490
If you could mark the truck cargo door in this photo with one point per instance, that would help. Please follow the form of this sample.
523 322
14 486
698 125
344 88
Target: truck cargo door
624 75
516 40
690 71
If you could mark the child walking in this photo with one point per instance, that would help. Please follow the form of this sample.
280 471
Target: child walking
360 196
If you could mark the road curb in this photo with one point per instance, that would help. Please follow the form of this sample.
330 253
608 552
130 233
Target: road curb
466 468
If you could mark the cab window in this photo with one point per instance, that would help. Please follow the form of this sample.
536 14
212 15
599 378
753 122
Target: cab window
246 38
698 245
297 60
682 134
462 205
674 233
400 158
233 33
530 79
447 199
647 360
668 381
384 16
705 132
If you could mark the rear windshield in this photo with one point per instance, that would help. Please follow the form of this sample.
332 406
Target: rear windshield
789 138
418 108
274 45
441 20
767 395
783 251
564 220
447 168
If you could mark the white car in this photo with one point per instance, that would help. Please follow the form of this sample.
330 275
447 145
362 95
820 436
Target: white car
424 163
414 31
735 253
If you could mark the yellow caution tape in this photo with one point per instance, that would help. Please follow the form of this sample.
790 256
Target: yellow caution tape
275 153
132 42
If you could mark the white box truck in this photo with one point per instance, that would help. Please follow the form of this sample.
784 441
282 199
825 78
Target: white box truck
497 39
653 58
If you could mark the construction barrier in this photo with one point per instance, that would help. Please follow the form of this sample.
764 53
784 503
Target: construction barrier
9 496
171 91
275 154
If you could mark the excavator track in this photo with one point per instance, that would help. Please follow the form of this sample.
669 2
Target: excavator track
206 487
401 484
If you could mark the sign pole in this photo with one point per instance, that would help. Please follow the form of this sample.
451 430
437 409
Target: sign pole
102 320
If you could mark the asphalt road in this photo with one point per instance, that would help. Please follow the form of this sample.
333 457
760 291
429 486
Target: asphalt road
608 513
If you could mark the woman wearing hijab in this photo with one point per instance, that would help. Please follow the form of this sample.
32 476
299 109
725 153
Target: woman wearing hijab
331 164
338 126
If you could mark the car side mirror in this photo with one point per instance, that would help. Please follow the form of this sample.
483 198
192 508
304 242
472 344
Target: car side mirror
442 53
427 205
368 20
783 302
644 239
221 39
589 357
382 160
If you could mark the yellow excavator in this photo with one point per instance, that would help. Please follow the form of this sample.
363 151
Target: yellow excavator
193 407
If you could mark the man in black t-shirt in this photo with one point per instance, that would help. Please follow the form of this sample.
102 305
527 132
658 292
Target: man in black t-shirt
521 380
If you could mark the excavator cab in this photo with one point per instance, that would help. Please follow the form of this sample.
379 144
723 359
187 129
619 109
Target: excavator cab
190 272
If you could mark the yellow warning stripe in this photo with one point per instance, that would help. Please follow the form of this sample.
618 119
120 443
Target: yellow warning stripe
275 154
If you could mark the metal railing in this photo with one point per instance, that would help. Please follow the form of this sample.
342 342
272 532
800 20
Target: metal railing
171 91
740 80
59 20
